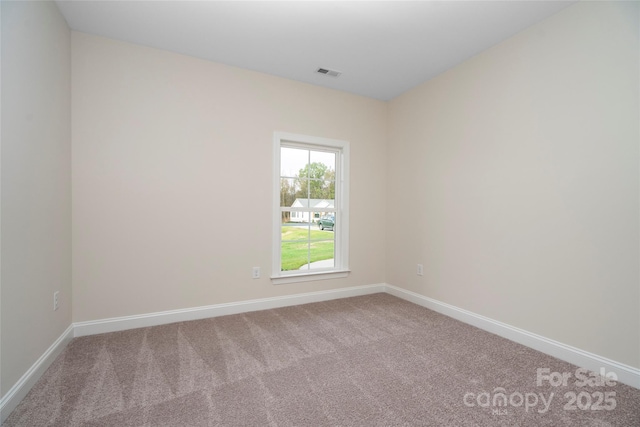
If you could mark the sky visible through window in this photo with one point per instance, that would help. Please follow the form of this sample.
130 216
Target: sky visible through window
292 160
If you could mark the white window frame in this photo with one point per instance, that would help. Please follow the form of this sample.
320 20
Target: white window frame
341 232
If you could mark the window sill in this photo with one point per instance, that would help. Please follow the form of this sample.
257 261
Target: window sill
309 277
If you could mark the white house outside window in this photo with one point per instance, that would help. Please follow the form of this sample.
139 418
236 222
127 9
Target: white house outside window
310 198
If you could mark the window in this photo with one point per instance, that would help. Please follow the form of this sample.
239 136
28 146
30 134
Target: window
311 199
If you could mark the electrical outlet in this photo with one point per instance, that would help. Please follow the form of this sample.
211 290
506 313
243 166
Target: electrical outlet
255 274
419 270
55 300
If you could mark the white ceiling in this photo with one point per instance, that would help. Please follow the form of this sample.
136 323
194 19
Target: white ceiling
383 48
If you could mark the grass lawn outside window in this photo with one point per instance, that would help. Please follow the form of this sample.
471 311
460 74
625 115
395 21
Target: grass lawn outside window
301 246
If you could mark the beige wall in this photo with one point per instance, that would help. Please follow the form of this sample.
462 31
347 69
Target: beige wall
516 171
172 164
36 183
519 172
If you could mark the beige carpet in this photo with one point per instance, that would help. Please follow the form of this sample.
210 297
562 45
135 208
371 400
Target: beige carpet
365 361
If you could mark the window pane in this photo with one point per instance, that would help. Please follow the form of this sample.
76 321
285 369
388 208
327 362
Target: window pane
326 222
293 193
287 192
295 231
322 244
295 245
327 162
299 218
302 190
320 173
329 191
295 255
292 161
322 254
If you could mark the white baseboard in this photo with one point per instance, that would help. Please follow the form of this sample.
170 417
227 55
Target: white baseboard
626 374
20 389
164 317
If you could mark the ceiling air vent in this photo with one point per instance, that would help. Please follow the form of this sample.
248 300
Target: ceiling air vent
326 71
